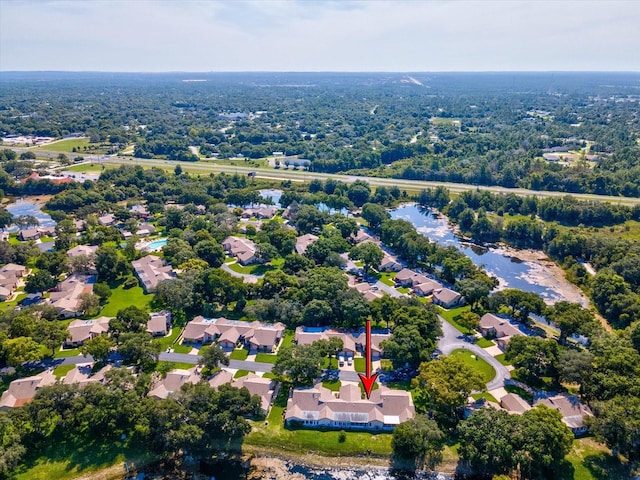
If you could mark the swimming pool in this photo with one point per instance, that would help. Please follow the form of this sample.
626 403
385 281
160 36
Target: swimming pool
157 244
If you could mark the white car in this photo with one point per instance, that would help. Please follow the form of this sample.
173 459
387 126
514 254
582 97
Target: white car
341 360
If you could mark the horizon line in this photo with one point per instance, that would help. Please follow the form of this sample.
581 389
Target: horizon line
313 71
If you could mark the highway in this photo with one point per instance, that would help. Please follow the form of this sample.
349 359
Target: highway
305 176
208 166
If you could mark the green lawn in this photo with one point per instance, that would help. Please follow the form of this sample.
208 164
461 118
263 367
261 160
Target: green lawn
593 461
88 167
274 435
288 338
257 269
360 364
168 366
182 348
486 396
239 354
62 370
502 360
486 371
519 391
333 385
66 460
386 278
484 343
79 143
266 358
13 303
242 373
167 341
451 315
121 298
67 352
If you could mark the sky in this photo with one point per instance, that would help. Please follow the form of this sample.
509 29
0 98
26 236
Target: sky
319 35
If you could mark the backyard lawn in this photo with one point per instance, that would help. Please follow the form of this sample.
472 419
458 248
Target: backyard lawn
451 315
121 298
62 370
486 371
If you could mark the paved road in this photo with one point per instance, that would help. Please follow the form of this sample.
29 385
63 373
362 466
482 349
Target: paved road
304 176
450 341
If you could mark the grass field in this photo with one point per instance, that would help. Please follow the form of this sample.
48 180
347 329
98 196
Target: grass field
266 358
87 167
67 146
242 373
301 441
67 352
484 343
121 298
239 354
486 396
502 360
386 278
62 370
167 341
593 461
478 364
333 385
451 315
66 460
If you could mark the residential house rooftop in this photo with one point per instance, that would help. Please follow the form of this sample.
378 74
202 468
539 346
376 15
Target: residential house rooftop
152 270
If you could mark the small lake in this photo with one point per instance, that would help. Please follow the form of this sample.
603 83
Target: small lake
24 207
512 272
272 193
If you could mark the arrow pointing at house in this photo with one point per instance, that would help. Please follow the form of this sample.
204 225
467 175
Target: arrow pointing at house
368 380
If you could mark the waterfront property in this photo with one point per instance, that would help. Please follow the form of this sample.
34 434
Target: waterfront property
447 298
492 326
255 336
320 407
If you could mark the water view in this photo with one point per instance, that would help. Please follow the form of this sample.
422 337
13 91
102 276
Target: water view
272 193
24 207
512 272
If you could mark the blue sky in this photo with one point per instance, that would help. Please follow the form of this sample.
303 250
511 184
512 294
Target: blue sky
330 35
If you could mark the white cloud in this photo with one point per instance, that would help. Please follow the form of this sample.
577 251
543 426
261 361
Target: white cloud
191 35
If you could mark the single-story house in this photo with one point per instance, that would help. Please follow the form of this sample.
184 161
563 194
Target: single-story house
146 229
159 323
360 237
222 377
427 288
409 278
573 412
66 295
82 330
5 293
17 270
241 248
152 270
82 374
174 381
107 219
260 386
23 390
255 336
515 404
28 234
353 342
447 298
139 211
319 407
499 328
303 242
79 250
389 263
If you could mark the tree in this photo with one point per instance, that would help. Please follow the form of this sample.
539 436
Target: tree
215 285
139 349
98 347
26 221
369 253
210 251
473 290
374 214
103 291
617 424
51 334
299 364
177 251
82 263
11 448
570 318
469 320
309 218
89 303
40 281
6 218
346 226
20 350
574 366
212 356
109 265
317 313
129 319
520 303
53 262
177 293
417 443
486 441
533 357
442 388
265 252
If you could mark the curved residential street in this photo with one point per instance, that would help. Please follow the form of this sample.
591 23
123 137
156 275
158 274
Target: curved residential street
246 277
450 342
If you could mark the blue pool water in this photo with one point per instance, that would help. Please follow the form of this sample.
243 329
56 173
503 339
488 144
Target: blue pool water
157 244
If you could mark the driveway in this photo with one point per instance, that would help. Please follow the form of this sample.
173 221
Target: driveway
450 342
246 277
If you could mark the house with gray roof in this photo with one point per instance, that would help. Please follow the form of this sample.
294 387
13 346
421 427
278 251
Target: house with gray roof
347 410
81 331
573 412
242 248
152 270
499 328
22 390
447 298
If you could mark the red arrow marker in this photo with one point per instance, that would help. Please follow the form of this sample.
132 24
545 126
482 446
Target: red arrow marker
368 380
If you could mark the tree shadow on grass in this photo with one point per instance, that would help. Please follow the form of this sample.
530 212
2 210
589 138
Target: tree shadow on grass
93 454
605 467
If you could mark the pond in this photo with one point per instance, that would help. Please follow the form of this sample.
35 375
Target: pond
529 271
272 193
25 207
